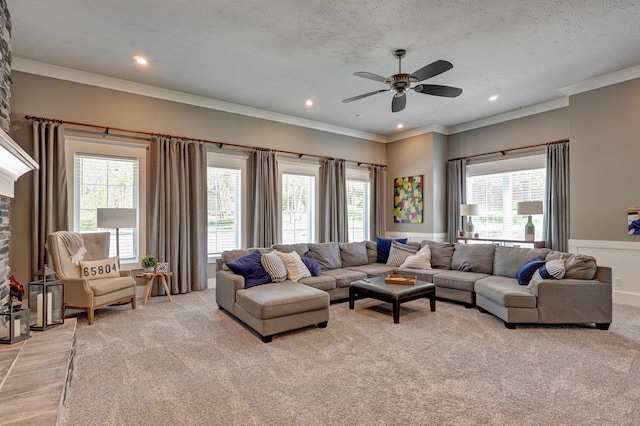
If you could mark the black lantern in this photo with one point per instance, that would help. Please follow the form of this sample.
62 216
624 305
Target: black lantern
14 322
46 300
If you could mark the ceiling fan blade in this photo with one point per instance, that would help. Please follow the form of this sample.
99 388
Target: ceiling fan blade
433 69
398 103
437 90
355 98
371 76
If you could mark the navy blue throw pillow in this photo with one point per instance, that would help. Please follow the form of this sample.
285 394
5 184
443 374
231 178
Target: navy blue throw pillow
250 267
311 263
527 269
384 246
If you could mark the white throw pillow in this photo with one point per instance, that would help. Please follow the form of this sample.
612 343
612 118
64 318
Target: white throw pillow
399 253
274 267
296 269
96 269
420 260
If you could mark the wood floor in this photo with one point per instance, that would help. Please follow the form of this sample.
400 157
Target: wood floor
35 373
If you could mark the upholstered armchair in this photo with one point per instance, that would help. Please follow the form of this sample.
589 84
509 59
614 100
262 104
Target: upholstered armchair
84 293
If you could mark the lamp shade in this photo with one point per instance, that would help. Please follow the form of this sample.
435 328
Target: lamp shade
526 208
469 209
116 218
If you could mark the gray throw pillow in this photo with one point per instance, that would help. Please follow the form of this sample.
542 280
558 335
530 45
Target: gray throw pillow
300 248
473 258
327 255
353 254
441 254
507 260
372 251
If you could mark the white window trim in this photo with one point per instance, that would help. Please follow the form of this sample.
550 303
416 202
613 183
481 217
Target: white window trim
305 169
361 175
90 146
231 161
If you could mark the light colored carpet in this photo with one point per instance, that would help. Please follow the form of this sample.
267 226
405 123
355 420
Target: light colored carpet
185 362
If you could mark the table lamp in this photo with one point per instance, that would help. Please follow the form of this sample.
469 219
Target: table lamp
528 208
469 210
117 218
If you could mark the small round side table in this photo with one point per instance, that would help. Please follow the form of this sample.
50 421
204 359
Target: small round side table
150 276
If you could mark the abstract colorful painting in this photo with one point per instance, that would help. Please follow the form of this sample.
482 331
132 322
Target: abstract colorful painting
407 199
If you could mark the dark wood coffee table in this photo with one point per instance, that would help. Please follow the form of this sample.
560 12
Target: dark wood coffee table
395 294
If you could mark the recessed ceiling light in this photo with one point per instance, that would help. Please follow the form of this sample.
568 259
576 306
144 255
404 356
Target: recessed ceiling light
140 60
493 97
399 125
308 102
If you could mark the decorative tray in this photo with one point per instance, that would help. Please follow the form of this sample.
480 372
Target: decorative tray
401 279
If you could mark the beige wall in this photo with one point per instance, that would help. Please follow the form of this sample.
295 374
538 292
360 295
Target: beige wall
58 99
605 161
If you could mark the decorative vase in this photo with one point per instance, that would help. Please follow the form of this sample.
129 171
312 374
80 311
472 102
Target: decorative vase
529 231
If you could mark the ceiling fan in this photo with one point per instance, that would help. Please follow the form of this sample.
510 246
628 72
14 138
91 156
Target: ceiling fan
400 83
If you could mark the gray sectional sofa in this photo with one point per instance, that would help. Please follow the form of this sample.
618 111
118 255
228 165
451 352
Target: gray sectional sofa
480 275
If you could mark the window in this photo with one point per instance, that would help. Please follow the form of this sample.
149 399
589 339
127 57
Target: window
225 202
223 209
358 204
106 182
298 208
498 187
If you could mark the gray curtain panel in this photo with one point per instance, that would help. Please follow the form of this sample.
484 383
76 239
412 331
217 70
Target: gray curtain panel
377 202
556 215
50 210
456 195
264 171
333 201
177 223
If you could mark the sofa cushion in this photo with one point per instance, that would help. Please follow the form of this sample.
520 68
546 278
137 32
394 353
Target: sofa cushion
231 255
344 277
296 268
507 260
457 280
250 267
281 299
424 274
473 258
399 252
384 246
374 269
420 260
109 285
577 266
441 254
527 269
505 292
327 255
353 254
321 282
311 263
372 251
274 267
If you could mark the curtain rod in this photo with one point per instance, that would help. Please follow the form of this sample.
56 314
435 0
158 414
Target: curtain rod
107 129
505 151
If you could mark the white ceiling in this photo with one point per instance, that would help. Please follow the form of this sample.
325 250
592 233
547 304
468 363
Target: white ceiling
273 55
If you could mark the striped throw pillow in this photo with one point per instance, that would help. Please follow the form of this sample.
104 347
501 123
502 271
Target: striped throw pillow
400 252
296 269
420 260
274 267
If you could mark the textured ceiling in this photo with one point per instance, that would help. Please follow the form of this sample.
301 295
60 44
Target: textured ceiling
275 54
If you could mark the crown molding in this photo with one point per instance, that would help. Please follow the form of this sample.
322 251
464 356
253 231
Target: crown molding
68 74
602 81
434 128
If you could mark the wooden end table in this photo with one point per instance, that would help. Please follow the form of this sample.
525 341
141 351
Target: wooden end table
150 276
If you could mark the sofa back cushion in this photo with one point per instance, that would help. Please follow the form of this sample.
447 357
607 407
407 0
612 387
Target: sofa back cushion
372 251
229 256
300 248
441 254
473 258
577 266
327 255
353 254
507 260
250 267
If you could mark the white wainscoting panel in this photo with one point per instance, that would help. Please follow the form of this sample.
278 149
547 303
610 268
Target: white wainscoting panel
418 236
624 259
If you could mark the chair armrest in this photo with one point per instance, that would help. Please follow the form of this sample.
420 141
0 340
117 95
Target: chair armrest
227 283
126 273
573 301
77 292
